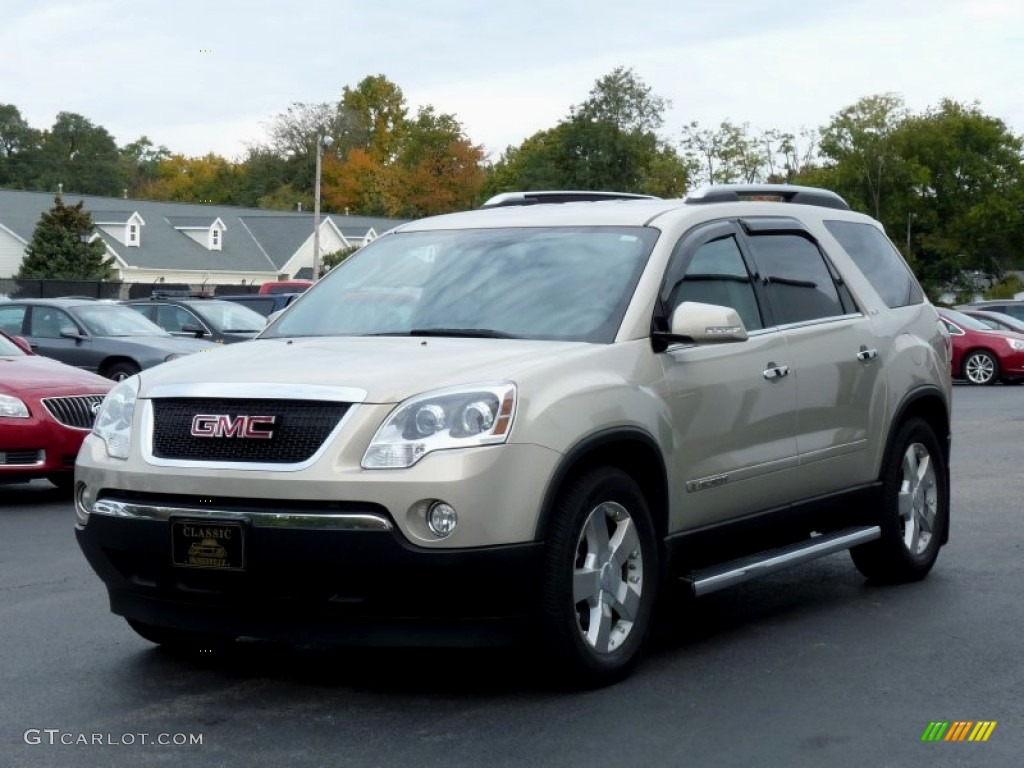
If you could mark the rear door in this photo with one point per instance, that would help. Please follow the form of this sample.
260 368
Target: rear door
836 359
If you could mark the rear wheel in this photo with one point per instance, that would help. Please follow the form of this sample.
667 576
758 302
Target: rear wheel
915 509
981 367
601 577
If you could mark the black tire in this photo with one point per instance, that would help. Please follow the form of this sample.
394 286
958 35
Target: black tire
911 537
981 368
64 481
601 525
121 371
179 639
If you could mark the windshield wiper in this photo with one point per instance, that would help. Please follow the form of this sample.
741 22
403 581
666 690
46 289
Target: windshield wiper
476 333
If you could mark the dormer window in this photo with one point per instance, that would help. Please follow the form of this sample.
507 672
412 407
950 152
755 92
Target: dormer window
214 239
133 235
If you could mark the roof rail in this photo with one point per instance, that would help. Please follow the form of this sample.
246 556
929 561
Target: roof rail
780 193
560 196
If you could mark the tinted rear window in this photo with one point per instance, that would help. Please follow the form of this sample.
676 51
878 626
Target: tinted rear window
880 262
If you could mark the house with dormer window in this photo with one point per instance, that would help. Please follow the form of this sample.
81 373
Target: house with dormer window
151 241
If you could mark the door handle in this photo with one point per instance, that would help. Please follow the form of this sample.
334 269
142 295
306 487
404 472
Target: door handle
866 354
774 371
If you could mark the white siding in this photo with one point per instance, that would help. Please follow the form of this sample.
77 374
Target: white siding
12 252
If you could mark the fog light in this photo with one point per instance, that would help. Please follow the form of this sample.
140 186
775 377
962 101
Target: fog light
441 519
84 499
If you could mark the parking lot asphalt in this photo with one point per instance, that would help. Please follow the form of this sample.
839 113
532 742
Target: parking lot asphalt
808 667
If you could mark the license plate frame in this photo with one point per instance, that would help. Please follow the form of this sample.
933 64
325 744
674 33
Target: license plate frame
208 544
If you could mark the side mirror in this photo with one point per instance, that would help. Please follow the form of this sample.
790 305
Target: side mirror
69 332
696 323
196 330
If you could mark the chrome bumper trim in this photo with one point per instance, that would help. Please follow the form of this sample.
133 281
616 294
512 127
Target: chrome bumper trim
333 521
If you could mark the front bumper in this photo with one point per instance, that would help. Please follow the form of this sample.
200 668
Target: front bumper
343 575
36 447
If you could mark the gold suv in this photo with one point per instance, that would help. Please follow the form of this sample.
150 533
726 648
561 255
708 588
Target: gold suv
529 422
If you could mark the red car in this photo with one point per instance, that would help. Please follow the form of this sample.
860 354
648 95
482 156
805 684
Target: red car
46 410
982 355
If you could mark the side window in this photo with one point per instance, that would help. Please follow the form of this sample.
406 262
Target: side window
797 279
952 328
717 274
47 322
880 262
11 319
174 319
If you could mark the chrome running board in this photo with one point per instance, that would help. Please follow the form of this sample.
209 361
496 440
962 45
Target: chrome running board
716 577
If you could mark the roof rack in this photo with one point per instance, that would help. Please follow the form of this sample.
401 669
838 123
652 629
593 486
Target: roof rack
560 196
780 193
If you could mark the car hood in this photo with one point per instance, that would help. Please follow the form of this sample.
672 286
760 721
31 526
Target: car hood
389 369
166 345
41 374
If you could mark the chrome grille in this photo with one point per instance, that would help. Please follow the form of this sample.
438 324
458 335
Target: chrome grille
300 428
78 412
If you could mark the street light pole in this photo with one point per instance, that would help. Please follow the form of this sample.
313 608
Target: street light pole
910 218
321 143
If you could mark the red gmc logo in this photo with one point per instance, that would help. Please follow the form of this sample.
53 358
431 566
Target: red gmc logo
222 425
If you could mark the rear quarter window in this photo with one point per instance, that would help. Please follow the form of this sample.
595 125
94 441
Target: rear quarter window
879 261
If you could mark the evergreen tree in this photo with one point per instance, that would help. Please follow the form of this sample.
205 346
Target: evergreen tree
57 250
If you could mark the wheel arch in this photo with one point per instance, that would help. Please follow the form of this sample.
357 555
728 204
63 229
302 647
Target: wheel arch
929 404
631 449
112 360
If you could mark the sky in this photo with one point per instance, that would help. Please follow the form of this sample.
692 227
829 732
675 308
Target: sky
208 76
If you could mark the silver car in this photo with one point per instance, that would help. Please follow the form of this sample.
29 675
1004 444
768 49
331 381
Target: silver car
97 336
529 421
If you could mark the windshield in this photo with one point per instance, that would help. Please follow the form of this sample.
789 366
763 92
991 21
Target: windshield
115 320
568 283
966 321
228 317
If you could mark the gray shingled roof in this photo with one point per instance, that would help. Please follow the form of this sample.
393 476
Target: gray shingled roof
112 217
191 222
255 240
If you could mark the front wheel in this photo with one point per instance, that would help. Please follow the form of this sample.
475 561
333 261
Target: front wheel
121 371
914 511
601 575
981 367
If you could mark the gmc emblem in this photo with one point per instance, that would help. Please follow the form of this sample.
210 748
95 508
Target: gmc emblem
222 425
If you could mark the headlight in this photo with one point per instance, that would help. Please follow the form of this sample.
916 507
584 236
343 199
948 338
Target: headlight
1016 344
13 408
113 423
460 417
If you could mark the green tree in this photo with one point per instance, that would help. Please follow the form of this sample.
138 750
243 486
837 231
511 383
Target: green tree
139 163
19 149
607 142
81 156
61 248
861 152
963 210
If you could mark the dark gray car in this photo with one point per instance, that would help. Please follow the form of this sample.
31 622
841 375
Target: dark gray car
222 321
99 336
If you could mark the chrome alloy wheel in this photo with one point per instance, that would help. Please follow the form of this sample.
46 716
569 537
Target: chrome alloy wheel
918 499
980 368
607 577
